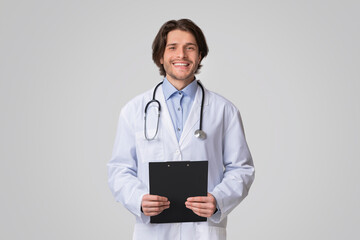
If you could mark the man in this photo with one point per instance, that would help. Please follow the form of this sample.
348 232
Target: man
178 50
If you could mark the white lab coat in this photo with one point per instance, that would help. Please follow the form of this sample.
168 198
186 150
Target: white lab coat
231 170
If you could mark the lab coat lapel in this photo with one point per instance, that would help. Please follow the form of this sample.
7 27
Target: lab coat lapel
165 119
194 116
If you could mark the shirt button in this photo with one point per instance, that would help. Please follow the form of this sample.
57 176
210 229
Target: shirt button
179 109
180 93
179 129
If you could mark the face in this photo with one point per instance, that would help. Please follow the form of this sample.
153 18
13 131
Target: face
181 58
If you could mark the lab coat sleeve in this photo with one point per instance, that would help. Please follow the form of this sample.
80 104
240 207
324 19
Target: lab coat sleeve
122 168
239 170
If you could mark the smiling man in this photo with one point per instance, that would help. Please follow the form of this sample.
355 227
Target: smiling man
181 58
178 50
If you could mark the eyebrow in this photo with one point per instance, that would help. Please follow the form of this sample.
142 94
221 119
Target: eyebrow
186 44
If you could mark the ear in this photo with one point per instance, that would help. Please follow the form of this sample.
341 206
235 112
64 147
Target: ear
162 60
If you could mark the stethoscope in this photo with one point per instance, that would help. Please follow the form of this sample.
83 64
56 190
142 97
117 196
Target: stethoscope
199 133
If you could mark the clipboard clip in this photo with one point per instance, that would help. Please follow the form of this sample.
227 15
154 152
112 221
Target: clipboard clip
187 163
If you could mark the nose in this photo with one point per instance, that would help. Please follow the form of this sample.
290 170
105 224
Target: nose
181 53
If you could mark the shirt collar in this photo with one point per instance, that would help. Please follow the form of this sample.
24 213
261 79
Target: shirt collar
189 90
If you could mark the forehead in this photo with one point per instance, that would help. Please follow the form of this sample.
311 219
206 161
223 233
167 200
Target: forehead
180 37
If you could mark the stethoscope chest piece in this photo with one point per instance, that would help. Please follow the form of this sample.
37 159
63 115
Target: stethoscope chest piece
200 134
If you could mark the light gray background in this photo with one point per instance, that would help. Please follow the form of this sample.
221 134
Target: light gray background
291 67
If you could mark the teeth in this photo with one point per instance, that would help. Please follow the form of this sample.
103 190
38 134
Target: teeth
181 64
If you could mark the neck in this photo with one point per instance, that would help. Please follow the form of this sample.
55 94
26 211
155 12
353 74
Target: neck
180 84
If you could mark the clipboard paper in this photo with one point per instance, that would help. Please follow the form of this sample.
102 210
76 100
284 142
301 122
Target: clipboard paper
178 180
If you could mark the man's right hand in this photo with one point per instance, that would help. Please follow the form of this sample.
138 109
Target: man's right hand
153 205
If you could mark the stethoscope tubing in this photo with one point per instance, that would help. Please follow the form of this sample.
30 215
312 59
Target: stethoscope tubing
198 133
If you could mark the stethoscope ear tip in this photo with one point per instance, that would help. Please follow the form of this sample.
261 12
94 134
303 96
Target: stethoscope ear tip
200 134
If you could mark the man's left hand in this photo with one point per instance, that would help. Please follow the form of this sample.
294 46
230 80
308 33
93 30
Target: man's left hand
202 206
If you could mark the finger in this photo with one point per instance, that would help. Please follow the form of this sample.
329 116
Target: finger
201 208
155 207
154 211
154 204
201 212
209 206
198 199
149 197
198 205
202 199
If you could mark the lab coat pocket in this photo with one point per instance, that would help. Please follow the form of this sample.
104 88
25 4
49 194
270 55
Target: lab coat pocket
149 150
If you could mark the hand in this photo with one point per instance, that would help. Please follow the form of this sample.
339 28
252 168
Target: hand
153 205
202 206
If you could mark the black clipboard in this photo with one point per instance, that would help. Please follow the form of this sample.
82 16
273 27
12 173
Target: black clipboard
178 180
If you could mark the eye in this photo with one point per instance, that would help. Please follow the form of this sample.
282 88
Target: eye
171 48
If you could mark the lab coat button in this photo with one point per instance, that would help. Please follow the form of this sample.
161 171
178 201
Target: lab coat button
177 151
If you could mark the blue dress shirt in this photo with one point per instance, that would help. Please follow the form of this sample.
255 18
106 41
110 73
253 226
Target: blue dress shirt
179 103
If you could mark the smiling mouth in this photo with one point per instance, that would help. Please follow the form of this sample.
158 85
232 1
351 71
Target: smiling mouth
181 64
